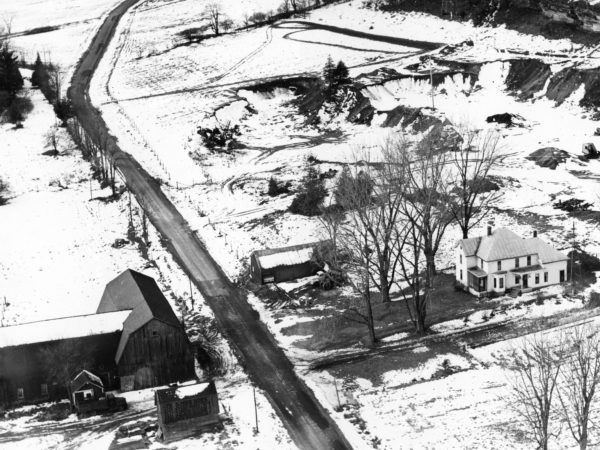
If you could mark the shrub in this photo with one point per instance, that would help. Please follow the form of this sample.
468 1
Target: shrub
312 193
3 192
221 136
18 109
257 17
277 188
63 110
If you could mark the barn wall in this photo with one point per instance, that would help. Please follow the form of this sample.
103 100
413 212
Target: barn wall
21 367
287 273
156 354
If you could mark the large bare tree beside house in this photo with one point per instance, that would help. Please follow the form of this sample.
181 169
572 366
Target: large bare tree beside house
372 196
473 193
425 198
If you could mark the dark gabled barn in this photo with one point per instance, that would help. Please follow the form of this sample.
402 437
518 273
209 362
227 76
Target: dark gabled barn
26 377
276 265
153 348
183 410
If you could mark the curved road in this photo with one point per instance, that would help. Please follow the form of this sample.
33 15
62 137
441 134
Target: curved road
306 420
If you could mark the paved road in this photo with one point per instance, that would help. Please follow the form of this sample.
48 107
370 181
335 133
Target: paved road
308 423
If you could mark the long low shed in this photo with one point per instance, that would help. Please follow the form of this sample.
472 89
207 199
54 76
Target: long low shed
276 265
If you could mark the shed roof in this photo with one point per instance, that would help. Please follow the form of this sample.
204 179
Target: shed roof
83 378
287 256
180 392
63 328
139 292
504 244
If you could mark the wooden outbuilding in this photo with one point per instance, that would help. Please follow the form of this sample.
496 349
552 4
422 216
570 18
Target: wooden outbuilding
276 265
86 386
154 348
186 409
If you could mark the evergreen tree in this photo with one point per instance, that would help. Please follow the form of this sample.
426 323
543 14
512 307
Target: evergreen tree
38 72
311 195
11 80
343 187
328 72
341 74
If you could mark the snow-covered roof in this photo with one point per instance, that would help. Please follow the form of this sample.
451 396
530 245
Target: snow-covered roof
186 390
504 244
289 258
84 377
63 328
190 390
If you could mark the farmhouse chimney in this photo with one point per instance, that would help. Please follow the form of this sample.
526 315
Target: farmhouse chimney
534 233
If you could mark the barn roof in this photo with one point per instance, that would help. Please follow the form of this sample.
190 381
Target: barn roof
504 244
287 256
186 390
63 328
139 292
83 378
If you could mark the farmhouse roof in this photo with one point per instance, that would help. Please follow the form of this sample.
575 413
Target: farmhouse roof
139 292
63 328
83 378
504 244
287 256
180 392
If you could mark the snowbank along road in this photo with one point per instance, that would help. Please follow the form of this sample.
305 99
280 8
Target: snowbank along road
305 418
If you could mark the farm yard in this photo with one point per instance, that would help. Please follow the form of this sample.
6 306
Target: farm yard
158 90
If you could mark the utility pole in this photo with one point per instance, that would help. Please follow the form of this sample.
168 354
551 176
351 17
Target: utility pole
337 394
90 188
255 410
573 260
432 87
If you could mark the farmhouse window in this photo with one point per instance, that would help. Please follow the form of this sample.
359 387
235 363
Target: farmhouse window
494 283
545 277
481 263
461 275
516 262
561 276
499 265
529 260
517 279
44 389
460 256
537 278
20 394
501 280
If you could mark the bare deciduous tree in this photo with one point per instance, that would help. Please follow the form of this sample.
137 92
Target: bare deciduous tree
580 378
472 194
52 140
536 367
373 197
425 205
216 18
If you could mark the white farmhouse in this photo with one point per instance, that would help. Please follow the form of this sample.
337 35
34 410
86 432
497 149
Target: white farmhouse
502 261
